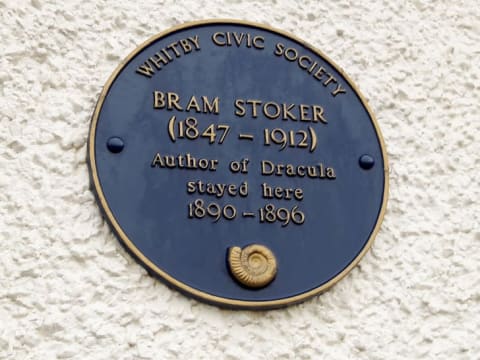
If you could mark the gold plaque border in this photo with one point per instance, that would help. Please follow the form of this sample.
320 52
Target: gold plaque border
226 302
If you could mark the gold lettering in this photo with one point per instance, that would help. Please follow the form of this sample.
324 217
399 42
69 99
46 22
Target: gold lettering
249 41
280 168
215 39
291 58
158 100
279 47
254 104
157 161
290 170
174 49
210 107
312 171
157 59
165 52
286 112
203 164
267 191
314 65
210 189
191 187
243 190
266 112
172 101
259 39
319 72
278 192
272 110
329 80
238 38
239 106
146 69
288 194
331 173
304 113
229 41
322 170
232 190
301 64
301 170
170 161
318 114
217 190
191 161
195 41
338 90
193 103
185 161
181 161
265 169
213 164
298 194
185 46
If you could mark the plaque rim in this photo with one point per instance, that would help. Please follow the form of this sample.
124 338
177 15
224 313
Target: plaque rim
163 275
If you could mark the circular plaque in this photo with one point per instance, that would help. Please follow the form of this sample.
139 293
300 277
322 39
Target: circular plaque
238 164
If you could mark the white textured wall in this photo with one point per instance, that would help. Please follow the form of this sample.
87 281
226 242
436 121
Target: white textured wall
68 289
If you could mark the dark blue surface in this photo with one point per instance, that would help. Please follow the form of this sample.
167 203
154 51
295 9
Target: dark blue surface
151 204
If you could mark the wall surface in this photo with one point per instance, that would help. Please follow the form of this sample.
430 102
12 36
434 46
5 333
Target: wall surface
69 291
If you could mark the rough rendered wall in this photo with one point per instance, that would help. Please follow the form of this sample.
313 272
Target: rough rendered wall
69 291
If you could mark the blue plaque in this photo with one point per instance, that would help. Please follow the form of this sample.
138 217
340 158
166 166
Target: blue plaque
238 164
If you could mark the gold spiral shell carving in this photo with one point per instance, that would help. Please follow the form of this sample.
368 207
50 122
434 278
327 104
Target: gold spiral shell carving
254 266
